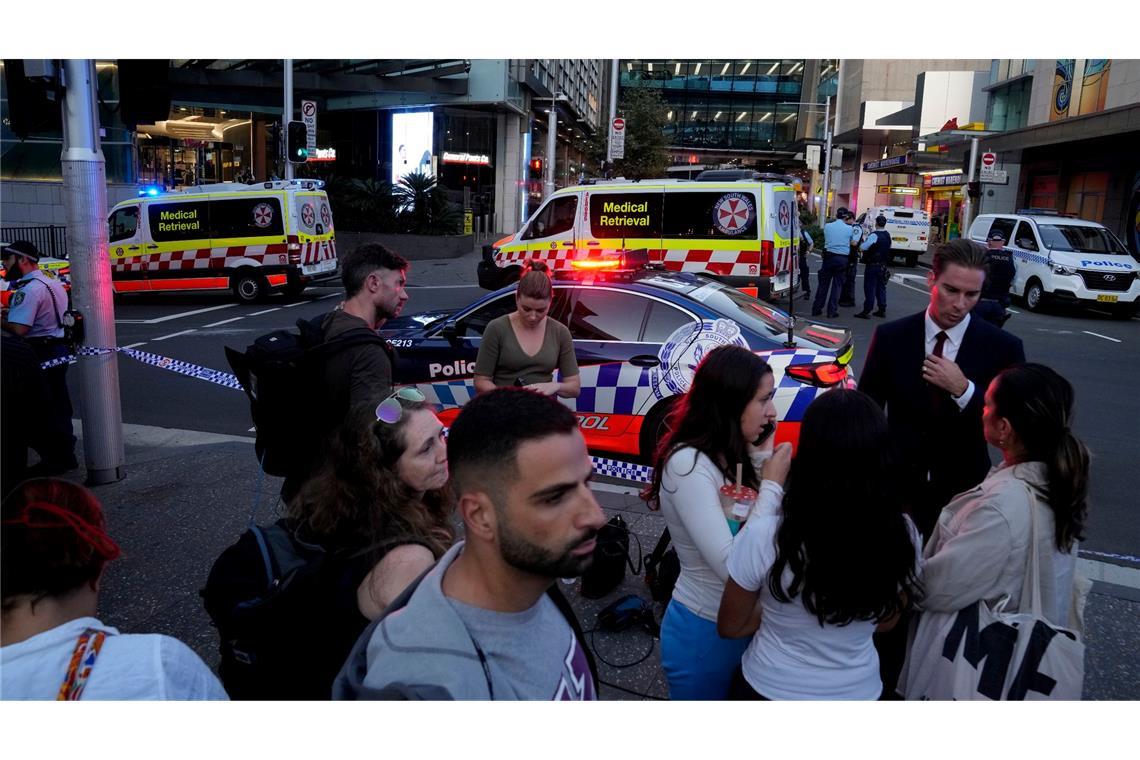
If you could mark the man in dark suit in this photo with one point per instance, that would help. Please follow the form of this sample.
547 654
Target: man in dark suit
930 372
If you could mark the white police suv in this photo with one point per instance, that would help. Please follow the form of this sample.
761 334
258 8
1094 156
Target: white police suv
1065 259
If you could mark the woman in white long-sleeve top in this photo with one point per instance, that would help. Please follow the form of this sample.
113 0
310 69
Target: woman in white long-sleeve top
816 572
980 546
712 431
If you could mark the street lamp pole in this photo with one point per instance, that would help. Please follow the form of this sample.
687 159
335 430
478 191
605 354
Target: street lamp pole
827 148
287 115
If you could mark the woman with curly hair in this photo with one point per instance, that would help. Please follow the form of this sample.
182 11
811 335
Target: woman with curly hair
55 548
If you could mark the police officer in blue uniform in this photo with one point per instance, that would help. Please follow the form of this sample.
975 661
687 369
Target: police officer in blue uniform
876 255
847 296
1000 271
35 313
837 237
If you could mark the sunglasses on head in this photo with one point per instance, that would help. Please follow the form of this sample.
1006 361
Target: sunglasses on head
390 410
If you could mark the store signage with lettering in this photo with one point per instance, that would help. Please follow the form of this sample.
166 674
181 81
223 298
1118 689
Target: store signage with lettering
478 159
885 163
897 190
945 180
322 154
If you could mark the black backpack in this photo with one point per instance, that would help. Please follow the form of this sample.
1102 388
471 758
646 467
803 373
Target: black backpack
281 375
611 555
286 614
662 568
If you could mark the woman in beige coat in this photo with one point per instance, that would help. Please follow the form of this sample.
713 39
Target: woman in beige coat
979 548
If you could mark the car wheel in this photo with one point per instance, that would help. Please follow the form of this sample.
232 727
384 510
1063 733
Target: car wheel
1034 295
654 428
248 286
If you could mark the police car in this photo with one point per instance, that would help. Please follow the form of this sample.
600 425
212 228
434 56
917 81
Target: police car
1066 259
638 334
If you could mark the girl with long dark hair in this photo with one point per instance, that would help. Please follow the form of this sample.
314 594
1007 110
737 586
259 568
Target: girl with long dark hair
711 435
980 547
830 561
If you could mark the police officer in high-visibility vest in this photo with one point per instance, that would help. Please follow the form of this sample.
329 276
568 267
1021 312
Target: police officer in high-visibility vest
35 313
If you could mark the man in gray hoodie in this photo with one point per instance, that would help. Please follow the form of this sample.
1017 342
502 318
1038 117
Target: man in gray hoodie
488 622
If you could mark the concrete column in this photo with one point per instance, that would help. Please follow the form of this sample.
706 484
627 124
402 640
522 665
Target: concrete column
508 171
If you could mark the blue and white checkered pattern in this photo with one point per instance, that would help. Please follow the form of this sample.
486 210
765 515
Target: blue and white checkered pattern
792 396
612 388
217 377
624 470
449 394
1032 258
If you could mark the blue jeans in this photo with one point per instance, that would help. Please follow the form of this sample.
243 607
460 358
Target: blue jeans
874 286
831 275
698 663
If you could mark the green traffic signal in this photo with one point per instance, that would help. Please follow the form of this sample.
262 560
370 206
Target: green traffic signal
297 142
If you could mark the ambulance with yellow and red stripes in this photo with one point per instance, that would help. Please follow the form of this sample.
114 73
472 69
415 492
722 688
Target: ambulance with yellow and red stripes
741 232
230 236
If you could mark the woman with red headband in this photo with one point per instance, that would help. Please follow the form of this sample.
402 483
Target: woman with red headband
54 548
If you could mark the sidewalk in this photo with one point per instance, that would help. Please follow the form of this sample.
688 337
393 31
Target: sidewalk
188 495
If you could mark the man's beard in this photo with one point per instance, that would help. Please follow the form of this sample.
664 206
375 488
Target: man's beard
537 560
12 274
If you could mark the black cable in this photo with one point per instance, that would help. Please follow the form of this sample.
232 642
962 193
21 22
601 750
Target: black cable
590 633
631 691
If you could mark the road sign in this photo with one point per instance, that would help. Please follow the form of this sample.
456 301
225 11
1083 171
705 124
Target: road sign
812 156
989 164
309 117
996 178
617 139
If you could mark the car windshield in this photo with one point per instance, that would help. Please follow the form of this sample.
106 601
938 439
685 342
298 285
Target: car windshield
742 308
1080 239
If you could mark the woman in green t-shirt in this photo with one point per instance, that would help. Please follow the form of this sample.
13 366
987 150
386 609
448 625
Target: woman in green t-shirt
525 347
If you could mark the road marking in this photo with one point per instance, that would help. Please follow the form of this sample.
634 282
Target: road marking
187 314
444 287
911 287
611 488
136 345
1012 311
330 295
259 313
223 322
1089 332
291 305
130 321
175 335
1106 572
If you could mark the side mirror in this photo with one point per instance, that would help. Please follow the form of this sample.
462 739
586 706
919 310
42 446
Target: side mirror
450 333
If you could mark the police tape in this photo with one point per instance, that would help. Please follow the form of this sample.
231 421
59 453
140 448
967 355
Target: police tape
607 467
224 379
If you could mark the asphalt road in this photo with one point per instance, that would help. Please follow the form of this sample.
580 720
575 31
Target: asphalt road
1095 352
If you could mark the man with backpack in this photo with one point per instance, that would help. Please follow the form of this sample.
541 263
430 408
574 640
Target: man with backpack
354 369
488 621
876 255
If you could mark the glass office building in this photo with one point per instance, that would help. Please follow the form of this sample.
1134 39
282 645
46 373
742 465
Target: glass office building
724 106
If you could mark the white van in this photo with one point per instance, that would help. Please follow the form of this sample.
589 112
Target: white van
228 236
909 229
1065 259
741 232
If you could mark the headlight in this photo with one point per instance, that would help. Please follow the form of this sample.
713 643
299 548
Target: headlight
1057 269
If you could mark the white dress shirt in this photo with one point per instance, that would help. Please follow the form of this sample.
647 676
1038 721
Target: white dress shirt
950 348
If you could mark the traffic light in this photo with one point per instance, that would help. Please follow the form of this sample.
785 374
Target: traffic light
33 104
297 139
974 189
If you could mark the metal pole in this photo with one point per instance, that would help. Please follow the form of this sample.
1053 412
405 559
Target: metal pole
826 159
85 203
287 115
551 147
614 78
968 210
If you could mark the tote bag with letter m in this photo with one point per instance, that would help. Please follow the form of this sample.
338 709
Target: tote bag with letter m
983 652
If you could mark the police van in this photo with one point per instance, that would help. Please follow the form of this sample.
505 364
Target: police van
909 229
740 232
228 236
1065 259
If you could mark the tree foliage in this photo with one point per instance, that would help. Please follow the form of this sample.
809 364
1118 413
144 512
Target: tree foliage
646 148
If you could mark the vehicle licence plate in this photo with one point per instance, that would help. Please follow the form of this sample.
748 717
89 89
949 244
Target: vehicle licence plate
327 265
781 281
1108 299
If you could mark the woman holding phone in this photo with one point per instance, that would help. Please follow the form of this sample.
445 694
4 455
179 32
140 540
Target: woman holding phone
526 346
720 435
